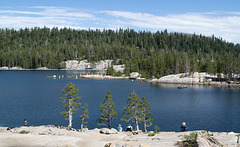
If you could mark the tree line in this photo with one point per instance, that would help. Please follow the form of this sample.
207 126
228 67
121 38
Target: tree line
151 54
137 109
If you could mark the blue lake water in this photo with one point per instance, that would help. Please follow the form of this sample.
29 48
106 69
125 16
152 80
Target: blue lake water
35 96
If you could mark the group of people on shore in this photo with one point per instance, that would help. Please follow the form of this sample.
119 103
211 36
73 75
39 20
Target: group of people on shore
11 129
130 128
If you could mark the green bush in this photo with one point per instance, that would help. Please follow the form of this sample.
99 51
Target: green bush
24 132
119 73
157 129
188 140
207 133
151 134
182 76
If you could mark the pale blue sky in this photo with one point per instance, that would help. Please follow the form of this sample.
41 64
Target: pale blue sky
207 17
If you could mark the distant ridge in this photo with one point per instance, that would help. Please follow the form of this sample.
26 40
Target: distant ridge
151 54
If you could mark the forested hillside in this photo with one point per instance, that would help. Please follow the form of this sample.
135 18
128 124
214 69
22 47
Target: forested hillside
151 54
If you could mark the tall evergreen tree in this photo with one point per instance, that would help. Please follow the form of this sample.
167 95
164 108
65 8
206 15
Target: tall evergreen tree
70 102
133 111
146 114
84 116
107 110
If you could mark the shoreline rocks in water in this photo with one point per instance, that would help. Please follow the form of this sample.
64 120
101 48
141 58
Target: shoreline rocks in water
4 68
15 68
58 136
42 68
194 79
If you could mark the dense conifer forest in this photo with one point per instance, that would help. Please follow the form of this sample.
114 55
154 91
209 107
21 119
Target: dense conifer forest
152 54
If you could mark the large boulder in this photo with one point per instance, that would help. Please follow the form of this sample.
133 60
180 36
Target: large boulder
16 68
108 131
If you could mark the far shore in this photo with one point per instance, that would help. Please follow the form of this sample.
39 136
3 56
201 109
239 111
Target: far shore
52 69
50 135
217 84
94 76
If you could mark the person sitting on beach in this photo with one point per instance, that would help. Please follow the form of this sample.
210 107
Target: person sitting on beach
11 129
129 128
25 122
183 127
119 128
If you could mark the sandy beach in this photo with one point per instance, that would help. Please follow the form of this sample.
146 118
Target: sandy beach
50 136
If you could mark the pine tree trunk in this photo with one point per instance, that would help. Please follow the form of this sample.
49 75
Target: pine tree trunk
109 123
82 124
70 115
70 119
145 126
137 126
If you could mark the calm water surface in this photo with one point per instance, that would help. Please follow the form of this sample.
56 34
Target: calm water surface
35 96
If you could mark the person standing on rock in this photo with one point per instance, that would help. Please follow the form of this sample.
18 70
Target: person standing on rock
25 122
183 127
119 128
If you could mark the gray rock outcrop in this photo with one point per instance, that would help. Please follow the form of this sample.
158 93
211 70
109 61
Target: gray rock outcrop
188 78
4 68
42 68
108 131
84 64
16 68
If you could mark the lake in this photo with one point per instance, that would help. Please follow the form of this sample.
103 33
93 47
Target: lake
34 95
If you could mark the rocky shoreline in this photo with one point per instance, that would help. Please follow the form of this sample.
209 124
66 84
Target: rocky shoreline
196 79
182 78
54 136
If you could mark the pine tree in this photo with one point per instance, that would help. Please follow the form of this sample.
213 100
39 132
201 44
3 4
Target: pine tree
85 115
70 102
110 70
146 114
107 110
133 111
